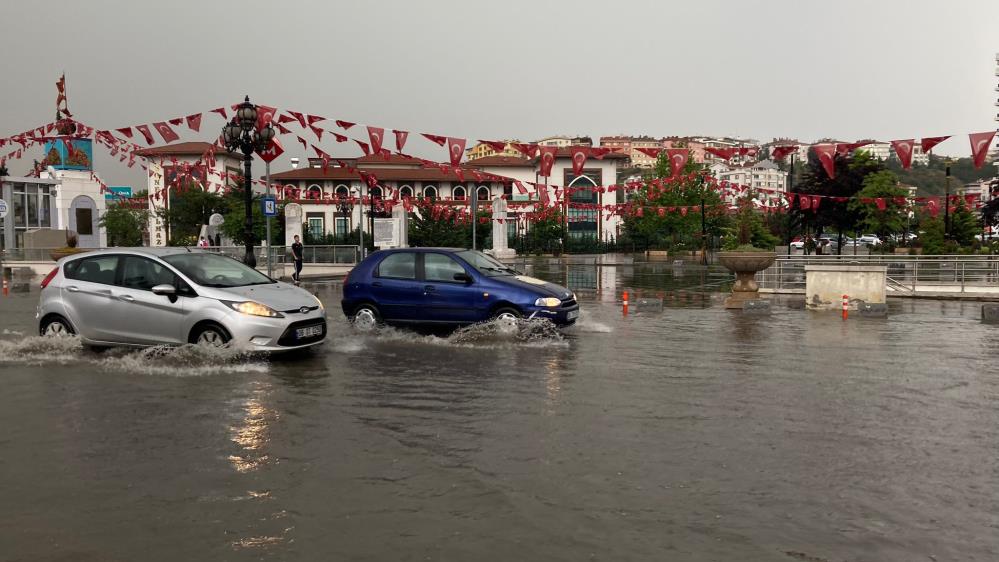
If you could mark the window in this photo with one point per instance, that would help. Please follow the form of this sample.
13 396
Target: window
315 192
342 225
316 223
84 221
401 265
100 269
342 192
375 192
430 192
482 193
144 274
405 191
458 193
439 267
213 270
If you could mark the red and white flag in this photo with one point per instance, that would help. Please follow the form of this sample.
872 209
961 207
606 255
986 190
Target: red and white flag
927 143
298 117
265 115
547 159
520 187
344 124
146 134
677 159
318 131
723 153
435 138
194 122
903 149
845 148
529 150
376 135
826 153
933 206
400 139
579 155
980 143
650 152
127 131
455 149
166 132
781 152
498 146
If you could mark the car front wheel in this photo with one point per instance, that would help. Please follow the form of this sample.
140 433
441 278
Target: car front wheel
507 314
209 335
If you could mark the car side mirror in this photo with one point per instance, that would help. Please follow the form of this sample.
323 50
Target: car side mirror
463 277
165 290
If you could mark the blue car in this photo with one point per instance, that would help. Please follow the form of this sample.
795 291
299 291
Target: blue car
448 286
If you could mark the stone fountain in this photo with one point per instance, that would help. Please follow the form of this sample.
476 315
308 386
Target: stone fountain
745 265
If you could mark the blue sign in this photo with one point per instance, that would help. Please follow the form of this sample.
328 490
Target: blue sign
117 193
270 206
69 154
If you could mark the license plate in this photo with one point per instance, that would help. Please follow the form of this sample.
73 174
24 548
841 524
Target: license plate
308 332
572 314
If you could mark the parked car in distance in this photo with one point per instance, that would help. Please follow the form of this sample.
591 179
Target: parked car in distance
154 296
870 239
797 243
448 286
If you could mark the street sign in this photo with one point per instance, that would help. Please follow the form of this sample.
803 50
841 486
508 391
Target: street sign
274 149
270 206
3 209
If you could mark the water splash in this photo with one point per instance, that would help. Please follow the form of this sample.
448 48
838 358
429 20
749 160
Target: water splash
37 350
492 334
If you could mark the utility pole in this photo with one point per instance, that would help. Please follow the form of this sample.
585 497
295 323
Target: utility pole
947 203
267 178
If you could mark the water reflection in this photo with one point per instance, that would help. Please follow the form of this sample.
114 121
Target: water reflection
252 434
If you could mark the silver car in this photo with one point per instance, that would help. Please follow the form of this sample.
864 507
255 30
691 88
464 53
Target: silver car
153 296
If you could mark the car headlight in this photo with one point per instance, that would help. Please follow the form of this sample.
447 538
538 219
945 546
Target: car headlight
254 309
550 302
320 303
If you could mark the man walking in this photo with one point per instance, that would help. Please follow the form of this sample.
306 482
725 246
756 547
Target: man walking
296 254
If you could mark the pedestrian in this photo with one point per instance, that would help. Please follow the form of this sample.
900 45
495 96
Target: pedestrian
203 243
296 254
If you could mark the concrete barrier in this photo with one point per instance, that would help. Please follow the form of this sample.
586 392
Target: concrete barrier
990 313
825 285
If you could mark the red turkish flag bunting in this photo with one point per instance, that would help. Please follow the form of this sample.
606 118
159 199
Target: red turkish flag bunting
826 153
318 131
529 150
881 203
282 119
455 149
305 144
400 139
194 122
520 187
498 146
547 159
903 149
845 148
339 137
220 111
599 152
677 159
364 147
313 119
176 122
166 132
980 143
282 129
815 203
933 206
723 153
435 138
579 155
650 152
144 129
298 117
344 124
265 115
927 143
781 152
376 135
127 131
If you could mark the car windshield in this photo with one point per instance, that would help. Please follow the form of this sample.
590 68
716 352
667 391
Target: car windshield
485 264
213 270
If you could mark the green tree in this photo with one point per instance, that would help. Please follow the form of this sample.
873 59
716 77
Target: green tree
891 220
233 207
190 207
931 235
674 229
446 229
848 181
124 224
964 225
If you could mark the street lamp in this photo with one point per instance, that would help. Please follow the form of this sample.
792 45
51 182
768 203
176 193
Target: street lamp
242 135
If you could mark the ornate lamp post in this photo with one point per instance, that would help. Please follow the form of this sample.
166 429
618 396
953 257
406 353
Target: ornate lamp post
241 135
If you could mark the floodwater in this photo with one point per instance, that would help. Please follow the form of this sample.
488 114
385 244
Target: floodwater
693 433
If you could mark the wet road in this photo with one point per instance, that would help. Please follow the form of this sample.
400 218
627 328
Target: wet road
687 434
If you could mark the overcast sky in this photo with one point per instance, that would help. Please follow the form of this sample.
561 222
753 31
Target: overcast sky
848 69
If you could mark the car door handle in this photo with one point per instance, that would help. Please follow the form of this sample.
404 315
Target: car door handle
429 288
376 284
106 292
126 298
73 289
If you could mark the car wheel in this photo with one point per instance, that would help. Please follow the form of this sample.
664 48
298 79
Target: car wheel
55 327
366 318
210 335
507 314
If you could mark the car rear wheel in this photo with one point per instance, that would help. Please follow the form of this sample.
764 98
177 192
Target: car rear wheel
209 335
55 327
366 317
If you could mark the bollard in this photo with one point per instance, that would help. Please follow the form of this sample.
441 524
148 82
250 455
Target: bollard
624 309
846 306
6 291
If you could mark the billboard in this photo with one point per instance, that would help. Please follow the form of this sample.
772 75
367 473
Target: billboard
116 193
69 154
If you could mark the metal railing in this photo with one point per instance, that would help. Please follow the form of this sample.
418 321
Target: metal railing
906 274
280 254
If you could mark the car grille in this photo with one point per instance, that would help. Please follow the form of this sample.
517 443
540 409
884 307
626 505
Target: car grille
288 337
299 310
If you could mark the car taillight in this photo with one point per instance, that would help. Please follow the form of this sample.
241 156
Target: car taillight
346 278
49 277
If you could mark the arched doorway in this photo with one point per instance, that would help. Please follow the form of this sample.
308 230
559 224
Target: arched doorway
83 220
